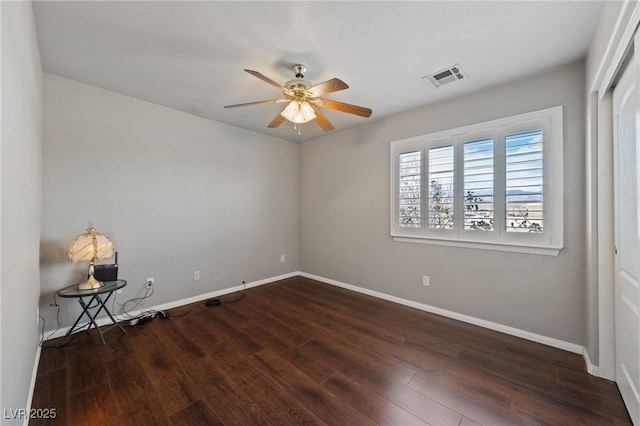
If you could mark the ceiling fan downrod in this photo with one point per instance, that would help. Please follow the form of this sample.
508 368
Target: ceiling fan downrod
299 70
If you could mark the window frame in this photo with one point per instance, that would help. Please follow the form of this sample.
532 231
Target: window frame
548 242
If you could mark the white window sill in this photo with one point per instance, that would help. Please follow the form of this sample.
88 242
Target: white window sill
514 248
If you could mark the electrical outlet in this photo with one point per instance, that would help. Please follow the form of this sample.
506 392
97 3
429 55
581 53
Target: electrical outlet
282 258
425 280
149 283
196 275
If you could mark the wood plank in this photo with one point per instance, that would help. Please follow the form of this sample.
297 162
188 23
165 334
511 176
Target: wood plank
319 368
173 388
593 390
280 406
52 359
228 333
227 399
207 338
304 313
196 414
472 407
117 346
532 407
367 373
374 406
203 337
50 393
87 366
93 407
182 347
379 357
317 399
135 398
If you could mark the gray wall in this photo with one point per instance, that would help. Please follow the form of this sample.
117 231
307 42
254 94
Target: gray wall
20 198
176 193
345 212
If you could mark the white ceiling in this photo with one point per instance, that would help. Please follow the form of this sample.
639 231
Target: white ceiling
190 56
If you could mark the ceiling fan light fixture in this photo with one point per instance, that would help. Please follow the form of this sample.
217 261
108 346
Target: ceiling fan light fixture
299 112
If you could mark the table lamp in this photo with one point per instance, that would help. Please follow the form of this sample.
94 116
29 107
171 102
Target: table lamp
88 247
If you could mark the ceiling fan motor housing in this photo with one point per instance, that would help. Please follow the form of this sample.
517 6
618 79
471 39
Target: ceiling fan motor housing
297 88
297 85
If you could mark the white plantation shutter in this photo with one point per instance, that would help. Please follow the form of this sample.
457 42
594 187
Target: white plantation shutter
524 181
478 194
483 186
409 190
441 187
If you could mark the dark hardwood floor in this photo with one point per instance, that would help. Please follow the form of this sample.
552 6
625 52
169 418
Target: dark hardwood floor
302 352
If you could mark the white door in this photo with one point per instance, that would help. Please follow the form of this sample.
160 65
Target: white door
626 100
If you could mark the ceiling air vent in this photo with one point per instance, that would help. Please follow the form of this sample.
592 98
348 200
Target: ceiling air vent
445 76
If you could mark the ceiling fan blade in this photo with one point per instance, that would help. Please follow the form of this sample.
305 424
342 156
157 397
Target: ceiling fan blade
265 79
322 120
276 121
329 86
341 106
270 101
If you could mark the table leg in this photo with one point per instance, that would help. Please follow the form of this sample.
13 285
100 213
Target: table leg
91 318
104 306
84 311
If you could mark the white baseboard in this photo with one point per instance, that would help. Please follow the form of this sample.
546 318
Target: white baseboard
594 370
545 340
32 385
106 321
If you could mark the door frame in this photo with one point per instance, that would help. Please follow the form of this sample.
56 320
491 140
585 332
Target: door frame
599 180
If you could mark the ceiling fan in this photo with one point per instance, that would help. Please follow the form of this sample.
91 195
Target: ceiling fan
304 99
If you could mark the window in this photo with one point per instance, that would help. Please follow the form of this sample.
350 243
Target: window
495 185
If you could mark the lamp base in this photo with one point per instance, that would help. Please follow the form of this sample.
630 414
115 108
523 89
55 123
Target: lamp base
90 284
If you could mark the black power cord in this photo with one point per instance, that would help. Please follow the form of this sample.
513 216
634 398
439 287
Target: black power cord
218 302
209 303
212 302
64 340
